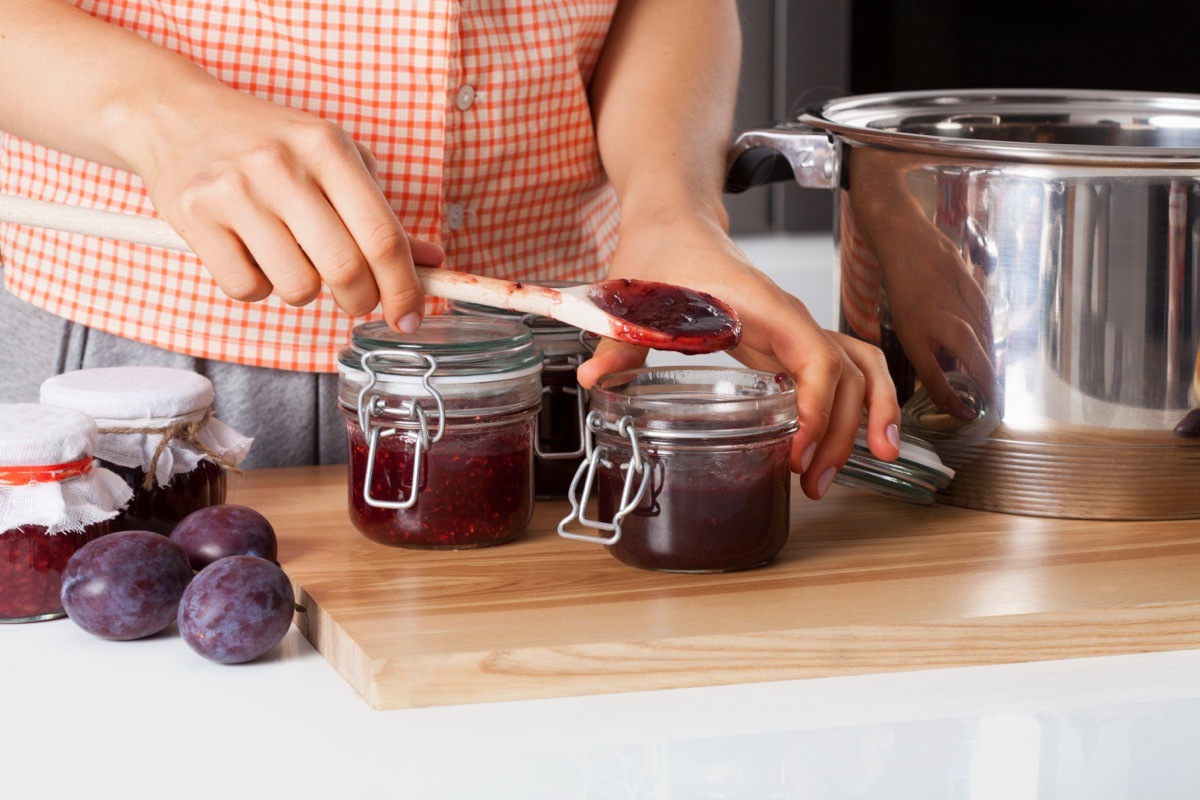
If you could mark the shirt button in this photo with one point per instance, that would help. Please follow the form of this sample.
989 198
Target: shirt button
464 97
455 215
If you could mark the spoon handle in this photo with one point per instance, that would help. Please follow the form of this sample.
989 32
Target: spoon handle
525 298
90 222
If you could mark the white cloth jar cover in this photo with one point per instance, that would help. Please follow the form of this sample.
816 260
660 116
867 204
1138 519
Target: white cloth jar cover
47 475
158 419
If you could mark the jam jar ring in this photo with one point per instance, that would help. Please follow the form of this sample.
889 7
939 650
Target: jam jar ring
375 406
587 470
25 476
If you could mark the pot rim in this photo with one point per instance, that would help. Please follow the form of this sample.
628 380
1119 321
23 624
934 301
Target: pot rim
874 119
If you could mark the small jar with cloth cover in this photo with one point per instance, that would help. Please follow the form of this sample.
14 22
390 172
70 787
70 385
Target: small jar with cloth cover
54 499
157 431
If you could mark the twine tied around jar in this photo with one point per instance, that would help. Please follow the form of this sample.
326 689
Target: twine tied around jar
184 429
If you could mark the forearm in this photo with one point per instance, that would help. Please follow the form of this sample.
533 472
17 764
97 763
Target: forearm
663 98
85 87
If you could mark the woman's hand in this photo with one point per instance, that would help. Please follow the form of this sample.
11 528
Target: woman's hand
274 200
837 376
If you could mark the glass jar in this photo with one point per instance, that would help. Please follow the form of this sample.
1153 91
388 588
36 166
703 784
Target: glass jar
440 427
54 499
558 447
158 433
690 468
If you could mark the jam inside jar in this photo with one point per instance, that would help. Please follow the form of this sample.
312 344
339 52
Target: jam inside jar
32 561
690 468
475 487
440 428
558 448
560 428
160 508
708 510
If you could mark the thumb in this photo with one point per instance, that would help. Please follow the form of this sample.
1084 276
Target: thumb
610 356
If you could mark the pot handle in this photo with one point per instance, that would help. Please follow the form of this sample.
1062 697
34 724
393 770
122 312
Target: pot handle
789 151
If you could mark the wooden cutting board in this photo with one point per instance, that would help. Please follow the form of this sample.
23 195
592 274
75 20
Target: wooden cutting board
865 585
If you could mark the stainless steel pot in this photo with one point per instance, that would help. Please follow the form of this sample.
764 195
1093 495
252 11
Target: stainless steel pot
1029 262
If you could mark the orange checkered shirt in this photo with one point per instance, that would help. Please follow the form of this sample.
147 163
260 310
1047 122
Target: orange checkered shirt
508 181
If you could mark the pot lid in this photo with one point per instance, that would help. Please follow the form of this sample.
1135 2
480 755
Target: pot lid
1050 125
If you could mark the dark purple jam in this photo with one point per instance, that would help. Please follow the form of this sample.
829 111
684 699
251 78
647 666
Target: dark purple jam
558 432
669 317
703 511
31 567
475 490
161 507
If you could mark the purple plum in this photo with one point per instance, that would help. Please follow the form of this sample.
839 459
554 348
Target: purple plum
126 585
236 609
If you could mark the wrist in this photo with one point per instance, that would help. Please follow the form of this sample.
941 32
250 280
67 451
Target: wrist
661 202
143 124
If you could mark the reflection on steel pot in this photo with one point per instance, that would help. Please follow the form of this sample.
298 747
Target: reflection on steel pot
1029 262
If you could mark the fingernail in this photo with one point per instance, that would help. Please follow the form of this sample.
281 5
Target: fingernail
825 482
410 322
893 435
807 456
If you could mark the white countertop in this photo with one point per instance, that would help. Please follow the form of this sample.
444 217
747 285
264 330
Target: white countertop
83 717
150 719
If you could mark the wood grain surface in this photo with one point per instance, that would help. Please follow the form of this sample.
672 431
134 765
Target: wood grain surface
865 585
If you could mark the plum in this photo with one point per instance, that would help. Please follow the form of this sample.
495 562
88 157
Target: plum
236 609
126 585
217 531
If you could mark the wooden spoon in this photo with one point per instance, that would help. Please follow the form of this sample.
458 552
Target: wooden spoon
657 315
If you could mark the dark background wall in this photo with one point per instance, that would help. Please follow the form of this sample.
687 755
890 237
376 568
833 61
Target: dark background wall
1144 45
804 52
795 53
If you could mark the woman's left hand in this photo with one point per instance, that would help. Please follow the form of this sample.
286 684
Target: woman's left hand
837 376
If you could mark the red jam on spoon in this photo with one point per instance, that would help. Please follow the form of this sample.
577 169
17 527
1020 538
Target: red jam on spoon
668 317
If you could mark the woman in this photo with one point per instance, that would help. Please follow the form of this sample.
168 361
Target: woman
312 153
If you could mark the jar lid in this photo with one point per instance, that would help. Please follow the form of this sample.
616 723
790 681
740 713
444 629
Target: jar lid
915 476
129 393
34 435
462 346
540 325
64 491
556 339
697 402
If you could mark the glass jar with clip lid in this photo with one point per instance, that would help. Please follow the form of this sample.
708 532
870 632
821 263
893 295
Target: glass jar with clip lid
440 427
690 468
558 446
687 468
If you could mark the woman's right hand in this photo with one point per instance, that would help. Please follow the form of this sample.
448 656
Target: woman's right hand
275 200
271 199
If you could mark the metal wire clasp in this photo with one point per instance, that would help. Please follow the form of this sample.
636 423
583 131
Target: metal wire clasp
580 395
587 473
372 406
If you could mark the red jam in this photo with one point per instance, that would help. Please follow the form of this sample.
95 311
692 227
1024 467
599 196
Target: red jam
475 490
669 317
558 432
161 507
31 567
703 512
